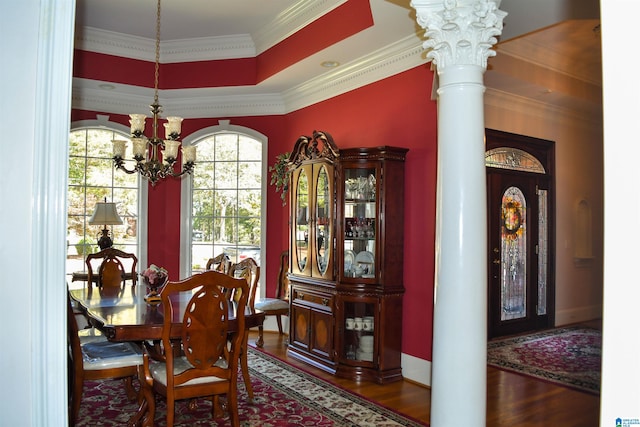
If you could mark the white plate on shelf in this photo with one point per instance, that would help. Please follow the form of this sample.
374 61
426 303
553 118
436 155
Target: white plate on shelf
364 355
366 257
349 258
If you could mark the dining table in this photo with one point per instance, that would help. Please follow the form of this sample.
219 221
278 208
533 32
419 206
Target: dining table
127 316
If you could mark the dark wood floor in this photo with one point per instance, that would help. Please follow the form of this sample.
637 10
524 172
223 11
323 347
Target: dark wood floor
512 399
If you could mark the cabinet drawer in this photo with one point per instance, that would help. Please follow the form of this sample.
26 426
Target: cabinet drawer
318 300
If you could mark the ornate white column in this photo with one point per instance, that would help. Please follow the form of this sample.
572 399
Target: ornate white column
459 36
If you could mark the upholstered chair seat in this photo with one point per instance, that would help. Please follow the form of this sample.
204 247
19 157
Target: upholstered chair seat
269 304
180 365
99 355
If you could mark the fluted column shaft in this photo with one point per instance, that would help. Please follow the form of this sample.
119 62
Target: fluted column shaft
459 36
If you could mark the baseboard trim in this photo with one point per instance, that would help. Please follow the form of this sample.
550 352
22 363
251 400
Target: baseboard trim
416 370
579 314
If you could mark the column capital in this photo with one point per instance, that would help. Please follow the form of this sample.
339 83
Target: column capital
459 32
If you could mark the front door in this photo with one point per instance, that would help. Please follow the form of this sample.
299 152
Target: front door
520 282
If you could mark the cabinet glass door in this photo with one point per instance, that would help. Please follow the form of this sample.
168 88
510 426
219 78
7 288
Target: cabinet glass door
360 223
302 220
359 327
322 229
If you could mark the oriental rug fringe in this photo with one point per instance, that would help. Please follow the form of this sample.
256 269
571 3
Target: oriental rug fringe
283 396
569 356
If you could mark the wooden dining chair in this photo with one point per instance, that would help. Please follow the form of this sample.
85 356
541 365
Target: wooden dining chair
220 263
93 357
249 270
108 259
206 366
278 306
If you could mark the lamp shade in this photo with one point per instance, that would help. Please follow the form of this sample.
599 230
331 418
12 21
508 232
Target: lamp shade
105 214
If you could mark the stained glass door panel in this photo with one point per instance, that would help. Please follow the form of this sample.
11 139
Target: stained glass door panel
513 264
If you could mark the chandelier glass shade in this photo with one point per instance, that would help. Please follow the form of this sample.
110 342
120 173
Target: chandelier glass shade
155 157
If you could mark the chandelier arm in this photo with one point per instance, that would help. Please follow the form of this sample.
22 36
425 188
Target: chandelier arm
187 168
119 164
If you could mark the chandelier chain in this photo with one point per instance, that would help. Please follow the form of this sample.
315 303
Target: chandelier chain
157 65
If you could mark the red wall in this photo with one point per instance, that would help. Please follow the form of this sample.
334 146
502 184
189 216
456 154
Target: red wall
394 111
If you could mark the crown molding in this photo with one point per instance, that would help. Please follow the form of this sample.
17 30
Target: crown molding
386 62
171 51
222 102
112 43
190 103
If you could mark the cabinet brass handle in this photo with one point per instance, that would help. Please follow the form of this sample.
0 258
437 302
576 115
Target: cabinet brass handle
325 301
300 295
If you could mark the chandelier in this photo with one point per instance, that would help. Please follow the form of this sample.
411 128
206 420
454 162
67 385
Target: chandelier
146 151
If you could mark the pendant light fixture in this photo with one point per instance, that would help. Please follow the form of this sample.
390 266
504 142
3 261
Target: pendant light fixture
146 151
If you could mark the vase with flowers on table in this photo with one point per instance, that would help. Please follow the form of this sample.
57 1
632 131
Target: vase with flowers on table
154 278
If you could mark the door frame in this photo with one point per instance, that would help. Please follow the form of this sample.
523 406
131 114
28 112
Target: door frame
544 151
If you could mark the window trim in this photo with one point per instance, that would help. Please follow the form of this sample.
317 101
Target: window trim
186 200
102 121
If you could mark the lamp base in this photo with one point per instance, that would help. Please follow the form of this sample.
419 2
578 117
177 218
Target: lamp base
105 241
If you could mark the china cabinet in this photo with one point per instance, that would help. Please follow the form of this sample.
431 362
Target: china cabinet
347 210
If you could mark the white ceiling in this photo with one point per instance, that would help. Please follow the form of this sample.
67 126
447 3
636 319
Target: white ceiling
556 62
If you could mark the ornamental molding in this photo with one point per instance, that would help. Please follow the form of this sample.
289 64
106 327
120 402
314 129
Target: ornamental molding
459 32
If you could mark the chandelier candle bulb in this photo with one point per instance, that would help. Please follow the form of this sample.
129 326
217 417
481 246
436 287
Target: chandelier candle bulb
119 147
171 149
139 147
173 127
137 123
188 154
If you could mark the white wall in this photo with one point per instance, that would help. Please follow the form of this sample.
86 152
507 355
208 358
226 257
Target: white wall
620 392
34 121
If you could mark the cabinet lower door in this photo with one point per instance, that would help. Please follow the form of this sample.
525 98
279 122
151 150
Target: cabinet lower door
312 333
301 326
322 335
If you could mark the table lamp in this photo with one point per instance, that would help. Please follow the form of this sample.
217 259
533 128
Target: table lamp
105 214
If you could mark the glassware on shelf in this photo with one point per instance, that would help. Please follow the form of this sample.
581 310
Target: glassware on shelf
360 188
363 228
351 352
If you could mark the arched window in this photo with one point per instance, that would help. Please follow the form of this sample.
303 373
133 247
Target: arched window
93 179
223 202
514 159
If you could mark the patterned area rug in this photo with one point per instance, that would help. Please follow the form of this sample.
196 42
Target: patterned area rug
568 356
283 396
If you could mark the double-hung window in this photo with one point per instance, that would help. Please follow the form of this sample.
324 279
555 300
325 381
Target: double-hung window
225 210
93 179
